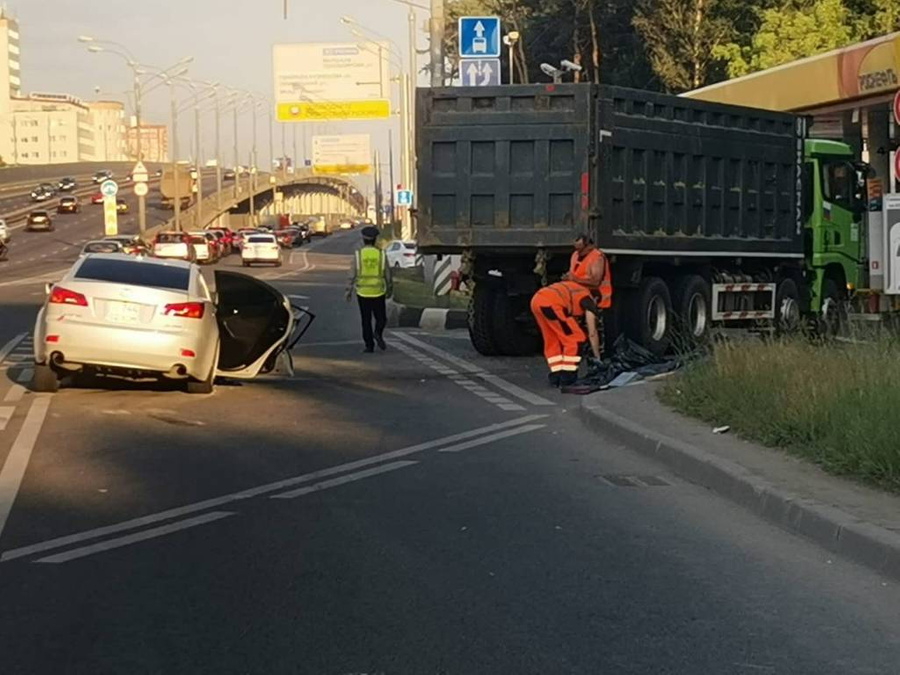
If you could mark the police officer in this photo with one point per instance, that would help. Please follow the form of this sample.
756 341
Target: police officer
370 278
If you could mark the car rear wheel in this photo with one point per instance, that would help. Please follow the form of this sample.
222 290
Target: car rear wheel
206 385
45 379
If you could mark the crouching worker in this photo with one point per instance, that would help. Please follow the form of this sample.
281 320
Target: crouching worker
557 309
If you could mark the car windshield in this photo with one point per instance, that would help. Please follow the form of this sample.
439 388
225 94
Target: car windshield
409 245
102 247
135 273
39 214
261 239
196 239
170 238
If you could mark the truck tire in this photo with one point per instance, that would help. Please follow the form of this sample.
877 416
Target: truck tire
788 318
510 335
649 321
693 311
481 328
833 318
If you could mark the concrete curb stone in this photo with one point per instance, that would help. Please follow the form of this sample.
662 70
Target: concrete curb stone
828 526
426 318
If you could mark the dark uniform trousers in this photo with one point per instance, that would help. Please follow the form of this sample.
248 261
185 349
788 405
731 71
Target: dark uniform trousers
370 308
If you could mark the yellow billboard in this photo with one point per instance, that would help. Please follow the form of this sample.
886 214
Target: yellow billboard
302 111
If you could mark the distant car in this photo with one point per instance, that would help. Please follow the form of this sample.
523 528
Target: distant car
204 249
261 248
102 175
401 254
140 317
5 233
97 198
101 246
241 237
223 238
68 205
52 188
67 184
39 221
346 224
174 245
228 175
318 227
39 194
121 206
131 244
286 237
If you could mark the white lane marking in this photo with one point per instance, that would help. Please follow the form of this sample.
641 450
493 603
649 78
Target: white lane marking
135 537
25 375
459 447
19 454
299 297
260 490
349 478
40 278
334 343
6 413
497 381
15 394
12 344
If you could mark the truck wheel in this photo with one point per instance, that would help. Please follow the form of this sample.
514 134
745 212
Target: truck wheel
45 380
650 321
481 328
693 310
510 335
787 307
833 317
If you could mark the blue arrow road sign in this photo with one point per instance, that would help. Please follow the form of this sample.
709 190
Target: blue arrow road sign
109 188
479 37
404 197
480 72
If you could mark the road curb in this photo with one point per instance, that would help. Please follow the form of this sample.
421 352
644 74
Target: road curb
428 318
830 527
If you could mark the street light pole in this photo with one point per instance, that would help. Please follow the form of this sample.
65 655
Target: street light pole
175 176
218 154
253 159
237 157
272 158
198 160
142 200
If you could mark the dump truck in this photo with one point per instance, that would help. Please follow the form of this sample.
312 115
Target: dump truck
185 189
710 215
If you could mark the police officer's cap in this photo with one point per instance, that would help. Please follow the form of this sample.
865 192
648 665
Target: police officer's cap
370 232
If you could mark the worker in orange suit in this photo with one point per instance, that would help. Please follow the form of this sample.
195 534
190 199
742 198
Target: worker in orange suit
557 308
589 267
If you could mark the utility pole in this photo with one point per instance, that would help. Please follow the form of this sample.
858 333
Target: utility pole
175 177
273 177
237 157
437 43
218 155
253 168
198 160
391 177
379 211
142 200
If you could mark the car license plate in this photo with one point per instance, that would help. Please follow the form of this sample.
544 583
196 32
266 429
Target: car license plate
123 312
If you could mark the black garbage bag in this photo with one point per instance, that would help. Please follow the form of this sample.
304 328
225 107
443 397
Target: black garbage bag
629 360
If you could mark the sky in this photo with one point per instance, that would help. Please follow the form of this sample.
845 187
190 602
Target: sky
230 40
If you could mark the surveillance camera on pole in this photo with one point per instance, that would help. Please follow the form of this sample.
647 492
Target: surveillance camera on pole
553 72
570 67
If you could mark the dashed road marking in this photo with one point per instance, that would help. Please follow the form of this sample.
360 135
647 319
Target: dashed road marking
6 413
343 480
15 394
6 349
25 375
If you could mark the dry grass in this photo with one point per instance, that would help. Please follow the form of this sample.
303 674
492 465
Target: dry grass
835 404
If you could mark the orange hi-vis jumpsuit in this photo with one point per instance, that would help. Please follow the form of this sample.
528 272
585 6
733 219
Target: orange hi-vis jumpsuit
556 308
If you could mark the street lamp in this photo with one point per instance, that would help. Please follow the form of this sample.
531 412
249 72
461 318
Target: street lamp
138 70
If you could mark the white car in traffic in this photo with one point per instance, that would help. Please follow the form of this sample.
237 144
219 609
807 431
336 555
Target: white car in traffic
114 314
401 254
261 248
5 234
202 246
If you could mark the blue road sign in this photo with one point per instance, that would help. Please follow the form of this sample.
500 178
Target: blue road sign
479 37
480 72
404 197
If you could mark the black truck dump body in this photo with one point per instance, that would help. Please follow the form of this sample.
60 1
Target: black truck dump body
521 167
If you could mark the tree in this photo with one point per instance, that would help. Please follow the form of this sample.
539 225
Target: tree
883 18
680 37
790 32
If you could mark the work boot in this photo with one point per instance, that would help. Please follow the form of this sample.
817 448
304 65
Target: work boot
382 345
553 378
567 378
369 350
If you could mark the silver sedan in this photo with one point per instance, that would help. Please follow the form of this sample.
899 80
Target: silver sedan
142 317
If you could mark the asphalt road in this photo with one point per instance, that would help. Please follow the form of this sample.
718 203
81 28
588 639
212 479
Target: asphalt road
33 254
421 511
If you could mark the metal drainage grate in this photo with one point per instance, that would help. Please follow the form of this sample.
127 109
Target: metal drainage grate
619 480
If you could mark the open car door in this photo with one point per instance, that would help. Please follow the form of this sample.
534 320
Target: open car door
255 321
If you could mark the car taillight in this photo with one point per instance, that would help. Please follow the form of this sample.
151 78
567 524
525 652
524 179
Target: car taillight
186 310
63 296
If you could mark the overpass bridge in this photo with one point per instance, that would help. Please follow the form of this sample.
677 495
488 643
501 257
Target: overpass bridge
300 193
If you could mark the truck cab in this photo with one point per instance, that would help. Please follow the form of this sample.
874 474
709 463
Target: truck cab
835 209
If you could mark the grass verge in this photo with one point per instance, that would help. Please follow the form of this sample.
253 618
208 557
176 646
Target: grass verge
833 404
410 289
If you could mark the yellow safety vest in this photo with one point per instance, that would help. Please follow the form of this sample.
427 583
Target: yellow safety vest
370 262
